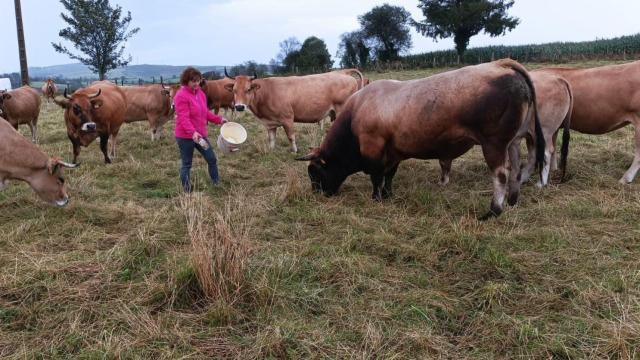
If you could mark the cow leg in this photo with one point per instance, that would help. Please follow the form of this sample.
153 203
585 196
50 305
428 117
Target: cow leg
377 180
113 144
104 140
527 170
635 165
3 184
272 137
554 157
34 128
496 158
514 172
445 169
288 128
387 190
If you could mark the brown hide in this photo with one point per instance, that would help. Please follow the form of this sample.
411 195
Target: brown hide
22 160
281 101
440 117
151 102
605 98
217 96
21 106
107 111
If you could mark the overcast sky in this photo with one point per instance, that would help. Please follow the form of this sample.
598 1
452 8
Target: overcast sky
228 32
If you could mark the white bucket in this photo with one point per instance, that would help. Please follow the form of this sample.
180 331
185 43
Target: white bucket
231 136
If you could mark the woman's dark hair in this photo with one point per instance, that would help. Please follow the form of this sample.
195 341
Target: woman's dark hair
188 74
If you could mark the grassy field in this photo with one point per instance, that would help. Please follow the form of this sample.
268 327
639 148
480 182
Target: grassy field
125 270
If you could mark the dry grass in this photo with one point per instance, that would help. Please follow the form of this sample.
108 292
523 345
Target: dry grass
219 247
260 267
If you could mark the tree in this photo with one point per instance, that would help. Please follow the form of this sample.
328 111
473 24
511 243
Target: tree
463 19
313 56
98 31
353 50
287 46
387 28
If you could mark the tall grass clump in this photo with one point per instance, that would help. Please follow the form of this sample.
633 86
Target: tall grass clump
219 247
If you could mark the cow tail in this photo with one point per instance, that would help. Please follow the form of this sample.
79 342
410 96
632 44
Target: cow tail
540 143
564 150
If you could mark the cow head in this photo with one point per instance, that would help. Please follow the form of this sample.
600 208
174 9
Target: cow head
173 90
243 89
79 110
3 96
48 182
326 175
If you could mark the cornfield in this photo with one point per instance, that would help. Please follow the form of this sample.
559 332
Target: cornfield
617 48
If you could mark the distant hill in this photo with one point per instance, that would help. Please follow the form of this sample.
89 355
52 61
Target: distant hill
75 71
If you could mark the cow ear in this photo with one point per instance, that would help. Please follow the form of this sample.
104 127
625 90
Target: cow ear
6 96
228 87
52 165
96 104
254 87
164 92
64 103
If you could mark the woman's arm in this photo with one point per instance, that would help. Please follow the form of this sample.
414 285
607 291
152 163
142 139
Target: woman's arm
216 119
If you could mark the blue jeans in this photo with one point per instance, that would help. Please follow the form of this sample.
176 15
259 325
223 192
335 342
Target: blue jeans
186 147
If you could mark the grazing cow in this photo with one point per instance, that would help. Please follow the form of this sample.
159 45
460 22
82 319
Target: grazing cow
21 106
49 90
554 99
217 96
281 101
151 102
95 111
440 117
21 160
605 98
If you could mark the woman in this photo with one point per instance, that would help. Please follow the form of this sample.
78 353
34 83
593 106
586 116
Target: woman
192 116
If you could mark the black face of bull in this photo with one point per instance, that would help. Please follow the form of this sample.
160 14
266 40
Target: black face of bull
325 178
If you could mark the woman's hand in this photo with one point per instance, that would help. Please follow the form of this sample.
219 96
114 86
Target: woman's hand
196 136
224 121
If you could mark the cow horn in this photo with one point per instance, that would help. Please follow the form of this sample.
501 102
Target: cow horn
310 156
65 94
227 75
255 75
68 165
96 94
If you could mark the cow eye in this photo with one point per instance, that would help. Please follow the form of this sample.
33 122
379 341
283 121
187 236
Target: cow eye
61 179
76 110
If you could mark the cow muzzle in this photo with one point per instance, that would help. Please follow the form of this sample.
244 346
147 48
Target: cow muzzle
88 127
63 202
241 107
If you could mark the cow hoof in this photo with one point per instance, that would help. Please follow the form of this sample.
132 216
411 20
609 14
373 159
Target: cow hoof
488 216
624 181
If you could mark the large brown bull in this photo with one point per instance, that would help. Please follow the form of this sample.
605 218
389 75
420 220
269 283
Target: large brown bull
605 98
281 101
49 90
440 117
21 160
95 111
21 106
217 96
151 102
555 101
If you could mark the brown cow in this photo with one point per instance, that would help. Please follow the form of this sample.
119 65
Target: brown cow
150 102
49 90
95 111
554 99
21 106
281 101
605 98
217 96
440 117
21 160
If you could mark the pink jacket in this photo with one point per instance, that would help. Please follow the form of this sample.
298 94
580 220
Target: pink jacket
192 113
